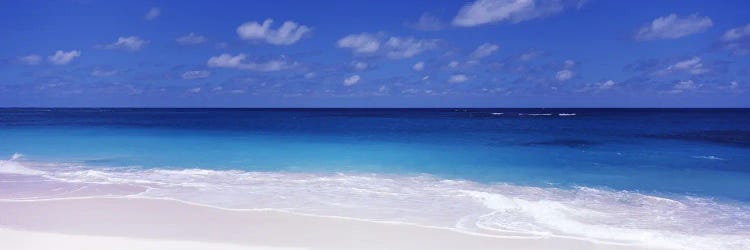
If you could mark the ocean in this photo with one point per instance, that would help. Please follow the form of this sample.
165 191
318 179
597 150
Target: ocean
675 178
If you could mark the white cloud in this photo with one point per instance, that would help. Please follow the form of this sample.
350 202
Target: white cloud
427 22
737 40
693 66
530 55
599 86
237 62
196 74
131 43
736 33
288 33
569 64
61 58
453 64
30 60
349 81
607 85
673 26
310 75
484 50
360 43
458 78
733 87
103 73
226 61
383 89
564 75
419 66
490 11
271 65
394 47
191 39
360 65
195 90
683 86
400 47
152 14
411 91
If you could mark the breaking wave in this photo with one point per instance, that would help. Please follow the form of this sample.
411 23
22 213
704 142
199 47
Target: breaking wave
492 209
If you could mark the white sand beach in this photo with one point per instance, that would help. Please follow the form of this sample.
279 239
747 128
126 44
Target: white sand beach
136 223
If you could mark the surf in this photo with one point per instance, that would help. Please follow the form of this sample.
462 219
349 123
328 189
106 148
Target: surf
622 217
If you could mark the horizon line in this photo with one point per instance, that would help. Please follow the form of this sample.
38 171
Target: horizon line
331 107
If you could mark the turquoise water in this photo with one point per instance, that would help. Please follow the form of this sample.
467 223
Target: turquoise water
645 150
675 175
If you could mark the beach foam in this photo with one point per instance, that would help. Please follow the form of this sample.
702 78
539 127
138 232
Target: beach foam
13 166
586 213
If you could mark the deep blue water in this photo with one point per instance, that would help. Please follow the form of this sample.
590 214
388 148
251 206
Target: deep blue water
700 152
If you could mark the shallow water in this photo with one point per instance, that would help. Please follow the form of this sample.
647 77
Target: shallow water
672 178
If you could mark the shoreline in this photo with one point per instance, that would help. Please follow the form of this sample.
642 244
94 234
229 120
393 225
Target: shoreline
146 219
491 233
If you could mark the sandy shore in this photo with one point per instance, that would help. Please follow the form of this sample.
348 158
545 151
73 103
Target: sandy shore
129 223
14 239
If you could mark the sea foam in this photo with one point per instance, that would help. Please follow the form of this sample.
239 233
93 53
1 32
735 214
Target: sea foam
13 166
492 209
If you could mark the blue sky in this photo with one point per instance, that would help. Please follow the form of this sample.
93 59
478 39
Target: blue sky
483 53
